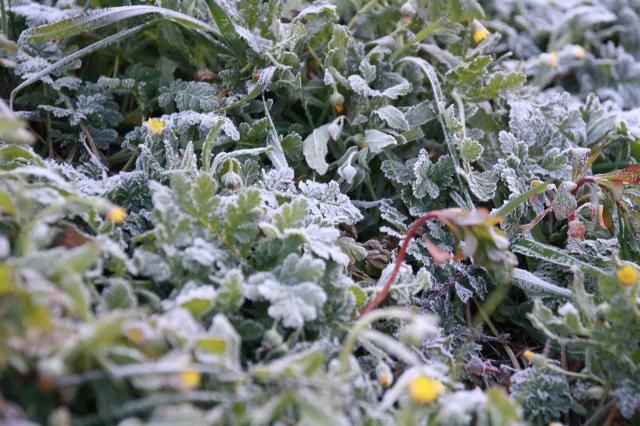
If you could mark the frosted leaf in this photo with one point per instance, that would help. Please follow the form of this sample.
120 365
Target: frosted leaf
328 203
460 408
482 184
151 265
393 117
397 172
231 293
377 141
202 253
578 158
564 203
422 185
182 121
463 293
37 13
470 150
197 96
256 42
392 215
322 242
277 180
179 322
361 87
314 149
627 397
197 299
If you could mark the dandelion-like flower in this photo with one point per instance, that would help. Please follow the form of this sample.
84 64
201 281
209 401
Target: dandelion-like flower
627 275
425 390
479 32
190 379
116 214
155 126
529 355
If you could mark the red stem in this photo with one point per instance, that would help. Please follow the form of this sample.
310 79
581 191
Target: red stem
396 268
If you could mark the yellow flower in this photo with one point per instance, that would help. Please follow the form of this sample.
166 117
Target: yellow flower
116 214
479 32
529 355
155 125
627 275
190 379
579 52
425 390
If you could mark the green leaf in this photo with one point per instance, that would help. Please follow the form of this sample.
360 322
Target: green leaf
315 149
228 30
470 150
70 59
119 295
393 117
241 219
95 19
292 215
531 248
512 204
377 141
231 291
498 83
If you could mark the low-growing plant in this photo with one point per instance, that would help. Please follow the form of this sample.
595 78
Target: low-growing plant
334 212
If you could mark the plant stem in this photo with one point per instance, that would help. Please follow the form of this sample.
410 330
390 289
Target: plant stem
361 324
362 10
396 267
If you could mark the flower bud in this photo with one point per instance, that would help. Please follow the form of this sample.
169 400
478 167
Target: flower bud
229 175
384 375
337 100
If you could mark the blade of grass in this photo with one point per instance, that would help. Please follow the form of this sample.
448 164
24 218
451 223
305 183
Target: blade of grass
423 34
68 60
511 205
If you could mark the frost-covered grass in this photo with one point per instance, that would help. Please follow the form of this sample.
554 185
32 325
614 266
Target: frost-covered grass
351 212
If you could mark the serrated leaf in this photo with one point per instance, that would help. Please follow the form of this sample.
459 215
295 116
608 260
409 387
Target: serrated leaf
241 219
498 83
470 150
292 215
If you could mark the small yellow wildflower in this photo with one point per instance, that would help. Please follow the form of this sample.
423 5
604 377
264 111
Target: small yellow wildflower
579 52
627 275
425 390
529 355
116 214
479 32
155 125
190 379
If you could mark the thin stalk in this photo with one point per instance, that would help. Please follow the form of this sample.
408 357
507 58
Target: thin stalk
5 19
362 10
396 268
361 325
